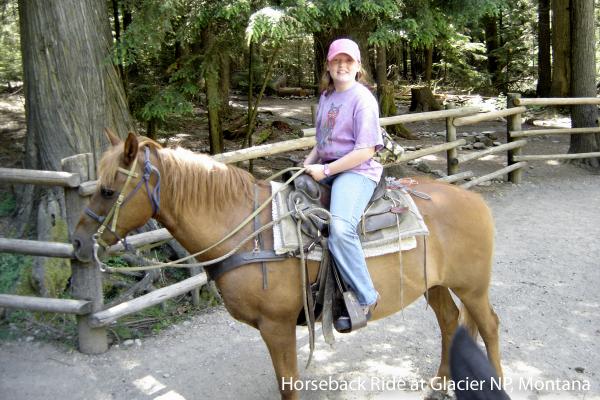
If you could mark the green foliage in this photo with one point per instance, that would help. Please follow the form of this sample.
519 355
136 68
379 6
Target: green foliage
463 63
57 271
273 26
11 270
8 205
169 46
516 54
168 101
10 50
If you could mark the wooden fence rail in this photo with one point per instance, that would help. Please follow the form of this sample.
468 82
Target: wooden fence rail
105 317
488 116
479 154
36 248
65 250
45 304
556 131
39 177
557 101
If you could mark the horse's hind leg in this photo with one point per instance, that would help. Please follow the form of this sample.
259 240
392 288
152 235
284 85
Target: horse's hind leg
446 313
280 338
481 311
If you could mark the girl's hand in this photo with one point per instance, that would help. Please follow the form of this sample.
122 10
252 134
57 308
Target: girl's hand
316 171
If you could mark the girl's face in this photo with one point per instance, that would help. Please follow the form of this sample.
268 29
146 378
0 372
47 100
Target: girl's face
343 69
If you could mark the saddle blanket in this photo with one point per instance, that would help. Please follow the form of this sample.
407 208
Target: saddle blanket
374 244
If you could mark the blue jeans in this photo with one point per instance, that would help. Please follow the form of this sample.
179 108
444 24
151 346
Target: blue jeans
350 194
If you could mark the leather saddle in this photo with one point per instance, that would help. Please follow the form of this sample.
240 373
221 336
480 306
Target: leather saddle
381 211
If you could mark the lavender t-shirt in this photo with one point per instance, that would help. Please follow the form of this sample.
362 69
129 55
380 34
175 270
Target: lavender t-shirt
347 121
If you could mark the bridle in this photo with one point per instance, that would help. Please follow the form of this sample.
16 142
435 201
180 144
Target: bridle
124 197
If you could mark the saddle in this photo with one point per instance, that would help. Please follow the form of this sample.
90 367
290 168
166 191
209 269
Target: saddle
381 212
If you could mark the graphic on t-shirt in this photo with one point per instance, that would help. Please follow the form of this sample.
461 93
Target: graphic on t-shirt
329 123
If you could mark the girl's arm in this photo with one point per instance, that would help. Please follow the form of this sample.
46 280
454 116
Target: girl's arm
312 157
350 160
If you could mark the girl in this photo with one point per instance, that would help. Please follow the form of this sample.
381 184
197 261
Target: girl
347 137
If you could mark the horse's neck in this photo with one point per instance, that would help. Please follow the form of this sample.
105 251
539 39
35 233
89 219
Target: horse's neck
202 228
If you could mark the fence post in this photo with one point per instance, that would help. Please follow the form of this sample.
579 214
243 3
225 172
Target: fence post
513 124
450 137
86 279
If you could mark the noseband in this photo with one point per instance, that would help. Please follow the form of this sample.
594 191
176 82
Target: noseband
124 197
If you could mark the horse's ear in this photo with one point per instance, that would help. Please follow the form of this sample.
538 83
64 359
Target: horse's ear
131 149
112 138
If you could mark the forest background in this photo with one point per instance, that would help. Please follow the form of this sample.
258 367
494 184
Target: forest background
144 65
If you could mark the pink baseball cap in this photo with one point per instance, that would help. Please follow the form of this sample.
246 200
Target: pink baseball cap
345 46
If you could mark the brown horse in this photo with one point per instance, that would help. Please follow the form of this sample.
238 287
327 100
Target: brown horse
202 200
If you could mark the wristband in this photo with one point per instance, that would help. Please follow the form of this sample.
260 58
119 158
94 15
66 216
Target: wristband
326 170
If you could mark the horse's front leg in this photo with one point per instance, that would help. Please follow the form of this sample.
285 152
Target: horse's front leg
280 337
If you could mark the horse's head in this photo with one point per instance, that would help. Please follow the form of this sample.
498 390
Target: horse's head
127 195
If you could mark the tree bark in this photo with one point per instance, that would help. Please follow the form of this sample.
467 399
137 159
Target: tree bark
428 55
210 65
544 83
583 78
224 81
380 72
422 100
71 94
405 59
213 100
492 44
415 65
561 40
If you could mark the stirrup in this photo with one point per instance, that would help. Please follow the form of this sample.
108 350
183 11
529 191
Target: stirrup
355 318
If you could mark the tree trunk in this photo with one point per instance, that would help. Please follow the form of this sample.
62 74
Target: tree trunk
492 44
561 41
422 100
428 55
405 59
320 44
213 101
583 78
225 81
544 39
117 25
387 104
210 65
380 72
71 94
415 65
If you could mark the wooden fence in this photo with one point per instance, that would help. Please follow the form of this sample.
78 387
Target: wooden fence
78 176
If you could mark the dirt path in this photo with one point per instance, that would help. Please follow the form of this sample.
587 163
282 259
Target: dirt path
544 291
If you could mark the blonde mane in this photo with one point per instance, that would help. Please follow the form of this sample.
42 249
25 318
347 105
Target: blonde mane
191 180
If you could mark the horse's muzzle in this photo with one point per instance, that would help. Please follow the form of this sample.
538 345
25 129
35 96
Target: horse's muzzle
82 249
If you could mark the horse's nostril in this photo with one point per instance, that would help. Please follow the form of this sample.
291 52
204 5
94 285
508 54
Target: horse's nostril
76 244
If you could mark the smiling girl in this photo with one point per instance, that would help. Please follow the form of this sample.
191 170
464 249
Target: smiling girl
347 136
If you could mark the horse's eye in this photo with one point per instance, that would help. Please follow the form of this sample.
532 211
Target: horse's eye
107 193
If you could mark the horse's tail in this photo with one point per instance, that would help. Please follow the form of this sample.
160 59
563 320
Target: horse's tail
468 322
